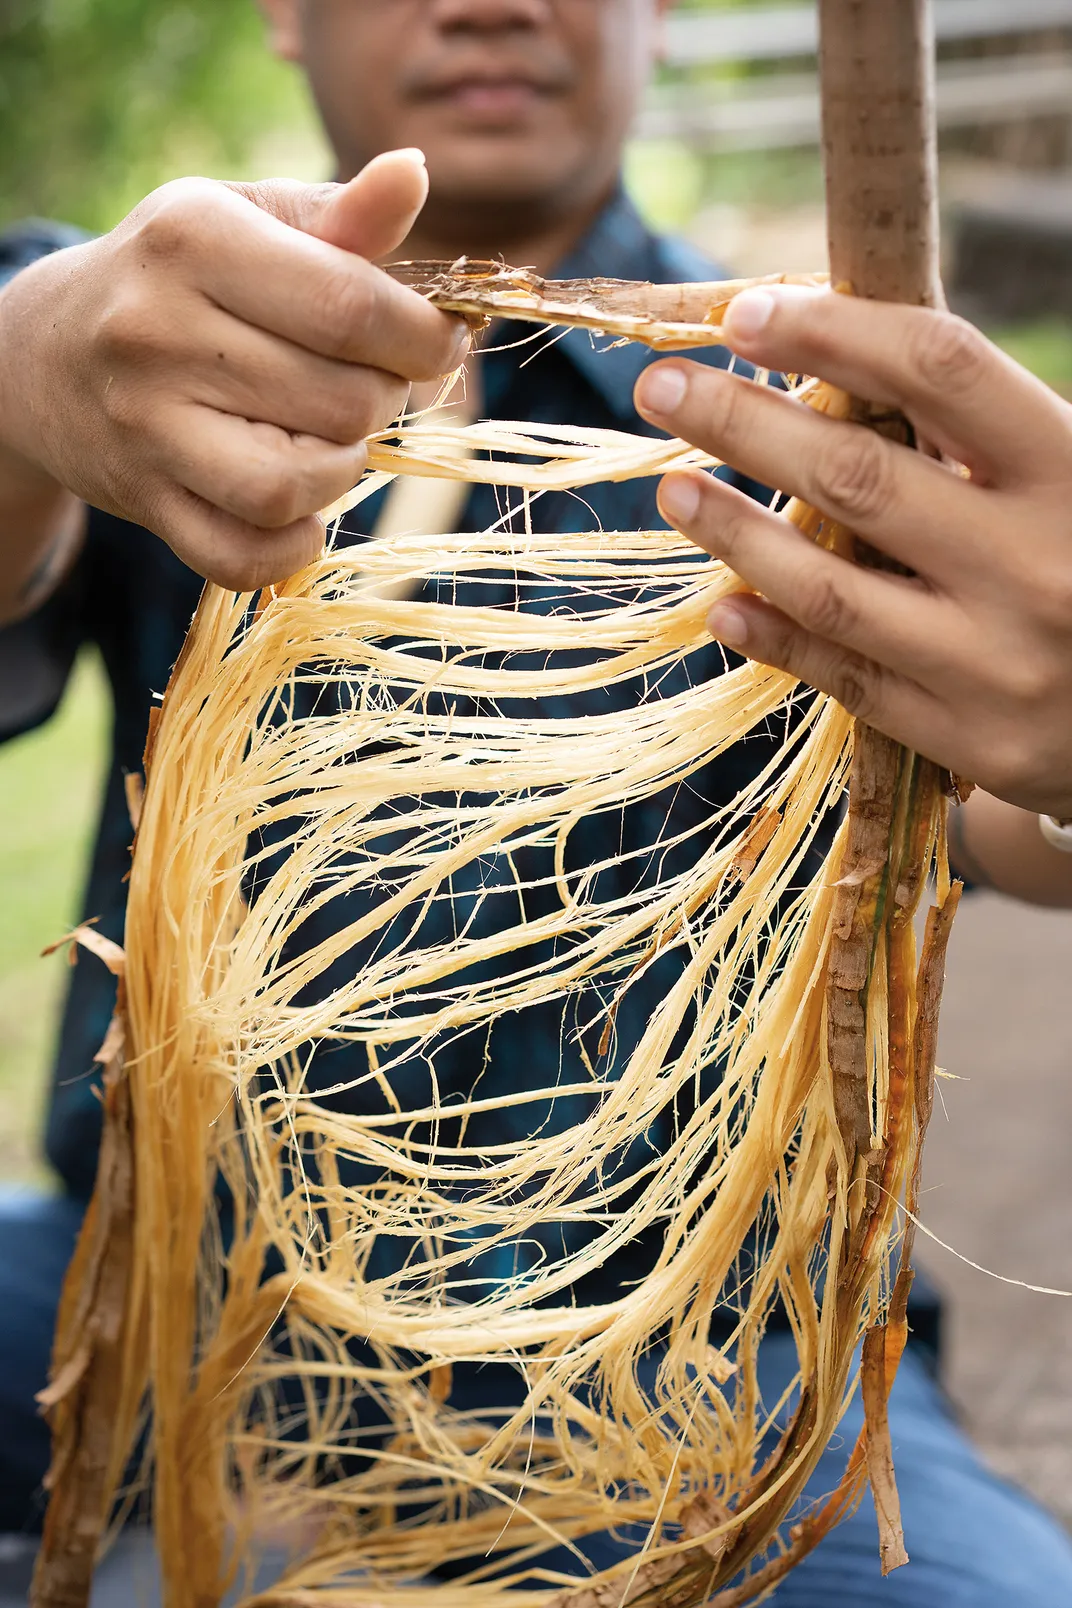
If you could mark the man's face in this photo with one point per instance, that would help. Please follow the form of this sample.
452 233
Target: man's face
514 102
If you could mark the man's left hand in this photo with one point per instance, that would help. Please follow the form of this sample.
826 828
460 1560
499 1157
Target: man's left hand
968 660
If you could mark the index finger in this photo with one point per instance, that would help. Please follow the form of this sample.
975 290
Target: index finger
960 390
327 300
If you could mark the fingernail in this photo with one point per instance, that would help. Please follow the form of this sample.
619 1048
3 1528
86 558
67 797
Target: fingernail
661 390
679 499
748 314
414 154
729 624
462 345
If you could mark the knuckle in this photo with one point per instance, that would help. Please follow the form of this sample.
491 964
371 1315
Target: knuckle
733 526
122 407
370 405
1053 595
950 354
239 573
854 475
1010 766
271 494
852 685
438 344
1029 680
343 307
267 561
126 329
177 217
726 405
340 417
825 611
326 476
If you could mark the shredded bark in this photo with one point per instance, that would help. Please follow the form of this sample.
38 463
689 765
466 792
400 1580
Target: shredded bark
758 837
875 1386
891 831
665 317
925 1050
86 1375
87 937
861 887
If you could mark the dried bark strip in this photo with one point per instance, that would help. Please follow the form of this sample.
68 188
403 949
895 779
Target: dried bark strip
81 1399
665 317
755 840
925 1051
875 1388
858 925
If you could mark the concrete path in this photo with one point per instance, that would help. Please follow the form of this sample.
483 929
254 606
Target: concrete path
998 1187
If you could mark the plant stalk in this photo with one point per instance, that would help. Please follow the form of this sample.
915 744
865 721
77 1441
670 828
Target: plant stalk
880 155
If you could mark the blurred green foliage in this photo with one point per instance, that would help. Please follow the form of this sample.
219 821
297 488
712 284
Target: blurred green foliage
50 784
1044 346
102 100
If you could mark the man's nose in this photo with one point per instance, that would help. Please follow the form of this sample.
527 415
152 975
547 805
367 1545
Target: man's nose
490 16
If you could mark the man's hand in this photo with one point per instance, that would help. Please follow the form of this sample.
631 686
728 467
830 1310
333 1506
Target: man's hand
211 368
969 661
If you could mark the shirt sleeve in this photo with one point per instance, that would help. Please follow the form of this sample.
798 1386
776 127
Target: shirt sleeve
36 653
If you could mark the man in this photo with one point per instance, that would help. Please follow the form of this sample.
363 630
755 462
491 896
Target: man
209 372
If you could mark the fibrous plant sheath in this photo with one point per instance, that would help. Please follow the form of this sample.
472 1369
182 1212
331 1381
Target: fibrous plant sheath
354 851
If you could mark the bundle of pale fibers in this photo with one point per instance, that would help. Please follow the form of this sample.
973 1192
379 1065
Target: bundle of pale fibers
332 767
318 1222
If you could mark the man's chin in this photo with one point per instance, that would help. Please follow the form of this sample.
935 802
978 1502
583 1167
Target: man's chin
497 172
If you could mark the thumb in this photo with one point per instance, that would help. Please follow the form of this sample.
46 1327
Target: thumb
376 211
369 216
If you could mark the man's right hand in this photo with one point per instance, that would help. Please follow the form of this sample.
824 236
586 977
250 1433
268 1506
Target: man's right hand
212 367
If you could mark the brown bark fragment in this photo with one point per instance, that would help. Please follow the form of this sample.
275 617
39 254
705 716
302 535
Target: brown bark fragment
958 788
86 1381
666 1581
760 831
876 766
134 789
875 1386
929 986
699 1517
657 1575
107 951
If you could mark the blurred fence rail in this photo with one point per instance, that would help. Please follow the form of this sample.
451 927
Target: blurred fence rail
1024 72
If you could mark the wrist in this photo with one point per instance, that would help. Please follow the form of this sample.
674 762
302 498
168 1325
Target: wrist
25 479
41 521
1000 846
23 483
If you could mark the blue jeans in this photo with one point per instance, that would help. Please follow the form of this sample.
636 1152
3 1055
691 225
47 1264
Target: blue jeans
975 1542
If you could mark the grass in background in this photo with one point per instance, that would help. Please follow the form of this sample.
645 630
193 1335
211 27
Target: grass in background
50 784
1044 347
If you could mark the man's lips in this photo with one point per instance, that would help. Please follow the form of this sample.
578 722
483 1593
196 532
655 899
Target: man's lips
490 100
